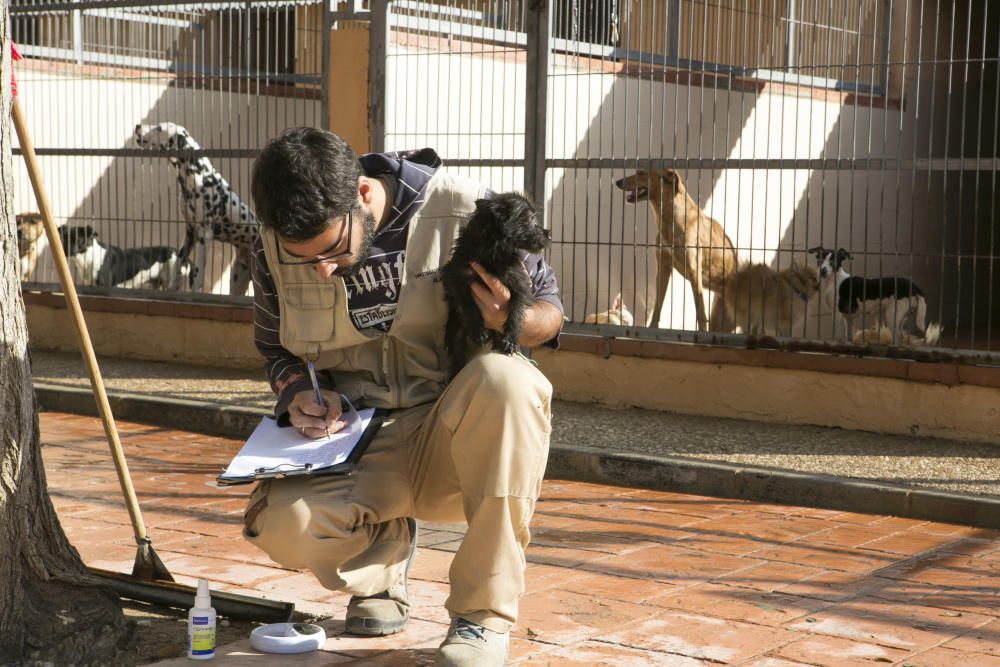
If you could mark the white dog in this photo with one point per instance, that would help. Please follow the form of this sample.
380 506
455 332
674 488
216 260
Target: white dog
618 315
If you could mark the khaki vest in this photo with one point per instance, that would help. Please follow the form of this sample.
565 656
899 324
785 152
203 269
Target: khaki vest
408 365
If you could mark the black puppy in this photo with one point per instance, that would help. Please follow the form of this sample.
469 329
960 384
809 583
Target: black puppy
502 230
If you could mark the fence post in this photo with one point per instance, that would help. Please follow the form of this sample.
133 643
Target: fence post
539 29
326 26
378 51
77 25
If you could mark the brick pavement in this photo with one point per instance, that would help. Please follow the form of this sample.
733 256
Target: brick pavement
616 576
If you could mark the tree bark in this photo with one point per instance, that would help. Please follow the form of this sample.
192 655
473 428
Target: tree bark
51 610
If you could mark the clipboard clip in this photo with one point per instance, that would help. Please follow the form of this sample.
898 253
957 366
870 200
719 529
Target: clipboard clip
282 469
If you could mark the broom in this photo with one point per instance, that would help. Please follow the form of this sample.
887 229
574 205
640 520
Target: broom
150 580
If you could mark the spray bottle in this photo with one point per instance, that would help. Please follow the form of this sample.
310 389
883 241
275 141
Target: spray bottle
201 625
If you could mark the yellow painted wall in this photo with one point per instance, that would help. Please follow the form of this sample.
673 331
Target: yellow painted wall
789 396
155 337
348 77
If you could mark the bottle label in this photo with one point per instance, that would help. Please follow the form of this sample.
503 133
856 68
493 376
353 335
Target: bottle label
202 636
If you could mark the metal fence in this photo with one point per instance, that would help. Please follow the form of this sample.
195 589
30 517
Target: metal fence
866 126
135 105
760 131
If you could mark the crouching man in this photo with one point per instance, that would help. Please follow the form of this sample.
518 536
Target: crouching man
345 275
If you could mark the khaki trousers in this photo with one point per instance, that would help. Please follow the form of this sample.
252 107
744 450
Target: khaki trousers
477 455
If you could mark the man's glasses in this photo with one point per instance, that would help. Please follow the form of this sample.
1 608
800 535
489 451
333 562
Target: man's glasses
284 258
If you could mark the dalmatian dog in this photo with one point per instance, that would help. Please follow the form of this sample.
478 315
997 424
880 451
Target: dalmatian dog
212 210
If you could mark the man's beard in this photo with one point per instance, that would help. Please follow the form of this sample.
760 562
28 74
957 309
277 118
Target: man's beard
364 250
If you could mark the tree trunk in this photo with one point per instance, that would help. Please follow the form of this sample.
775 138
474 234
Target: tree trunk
51 610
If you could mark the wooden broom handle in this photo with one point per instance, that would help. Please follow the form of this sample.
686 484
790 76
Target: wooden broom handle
82 335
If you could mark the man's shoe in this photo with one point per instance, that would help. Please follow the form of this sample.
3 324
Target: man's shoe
387 612
471 645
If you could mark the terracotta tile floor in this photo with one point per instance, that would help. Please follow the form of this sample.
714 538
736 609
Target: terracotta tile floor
616 576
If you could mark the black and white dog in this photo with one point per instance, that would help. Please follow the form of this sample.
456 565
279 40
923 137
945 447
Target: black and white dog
212 210
888 301
105 265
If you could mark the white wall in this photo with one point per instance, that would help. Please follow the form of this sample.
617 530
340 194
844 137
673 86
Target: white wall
462 105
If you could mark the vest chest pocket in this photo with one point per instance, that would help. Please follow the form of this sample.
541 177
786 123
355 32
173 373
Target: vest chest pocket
308 313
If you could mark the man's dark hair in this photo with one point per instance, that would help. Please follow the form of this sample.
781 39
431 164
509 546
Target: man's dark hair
301 180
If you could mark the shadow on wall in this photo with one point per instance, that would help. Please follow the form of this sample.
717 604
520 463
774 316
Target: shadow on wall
606 246
969 219
928 225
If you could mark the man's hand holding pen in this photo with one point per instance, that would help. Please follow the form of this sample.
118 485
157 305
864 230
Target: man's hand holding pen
312 419
316 392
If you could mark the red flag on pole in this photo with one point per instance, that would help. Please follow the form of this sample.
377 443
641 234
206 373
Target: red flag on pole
14 55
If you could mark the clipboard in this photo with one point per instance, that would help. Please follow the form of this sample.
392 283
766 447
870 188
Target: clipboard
273 452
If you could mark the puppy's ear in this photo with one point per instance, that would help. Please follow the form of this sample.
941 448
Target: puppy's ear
818 251
843 253
676 181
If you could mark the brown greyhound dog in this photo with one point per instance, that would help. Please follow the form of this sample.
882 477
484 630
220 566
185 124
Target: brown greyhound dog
686 238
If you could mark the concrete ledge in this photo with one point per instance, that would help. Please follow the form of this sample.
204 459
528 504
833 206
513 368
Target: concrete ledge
785 487
600 466
777 395
228 421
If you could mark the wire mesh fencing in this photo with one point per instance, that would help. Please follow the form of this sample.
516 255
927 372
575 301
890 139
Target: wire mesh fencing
803 170
811 170
145 115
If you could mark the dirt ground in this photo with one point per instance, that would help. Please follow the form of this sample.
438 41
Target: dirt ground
161 632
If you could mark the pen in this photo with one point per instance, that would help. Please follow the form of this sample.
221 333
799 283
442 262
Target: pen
315 383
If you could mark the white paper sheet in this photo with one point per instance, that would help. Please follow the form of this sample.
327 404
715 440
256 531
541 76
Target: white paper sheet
271 449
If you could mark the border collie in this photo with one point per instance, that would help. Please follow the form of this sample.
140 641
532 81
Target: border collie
105 265
890 300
